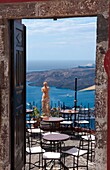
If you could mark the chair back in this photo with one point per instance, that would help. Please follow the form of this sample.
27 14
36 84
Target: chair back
28 140
84 114
84 148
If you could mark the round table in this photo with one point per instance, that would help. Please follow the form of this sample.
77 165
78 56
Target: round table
53 119
31 121
29 110
54 122
56 137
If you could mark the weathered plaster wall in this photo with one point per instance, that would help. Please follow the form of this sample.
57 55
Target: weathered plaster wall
51 9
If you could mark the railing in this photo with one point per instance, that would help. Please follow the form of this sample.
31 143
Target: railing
60 105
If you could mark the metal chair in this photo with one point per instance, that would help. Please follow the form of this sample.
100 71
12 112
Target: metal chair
51 155
76 153
35 134
30 150
82 123
67 124
91 139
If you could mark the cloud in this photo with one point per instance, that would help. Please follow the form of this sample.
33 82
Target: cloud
64 35
60 26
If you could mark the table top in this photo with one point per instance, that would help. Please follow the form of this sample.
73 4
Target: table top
29 110
31 121
53 119
69 111
56 137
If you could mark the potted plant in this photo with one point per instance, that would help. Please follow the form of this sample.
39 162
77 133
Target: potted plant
36 116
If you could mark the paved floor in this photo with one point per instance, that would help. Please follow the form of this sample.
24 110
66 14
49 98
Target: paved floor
68 144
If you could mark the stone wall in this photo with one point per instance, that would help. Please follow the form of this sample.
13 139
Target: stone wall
56 9
4 97
101 91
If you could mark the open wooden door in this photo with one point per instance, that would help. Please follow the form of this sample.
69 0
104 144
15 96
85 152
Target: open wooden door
18 94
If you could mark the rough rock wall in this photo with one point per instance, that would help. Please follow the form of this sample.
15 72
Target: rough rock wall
52 9
4 98
101 92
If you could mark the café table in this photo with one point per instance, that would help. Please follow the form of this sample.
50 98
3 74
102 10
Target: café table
31 121
59 137
54 121
29 111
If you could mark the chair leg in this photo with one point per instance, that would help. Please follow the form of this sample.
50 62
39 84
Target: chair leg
42 161
77 162
73 163
39 161
92 151
87 159
44 164
64 159
29 161
60 164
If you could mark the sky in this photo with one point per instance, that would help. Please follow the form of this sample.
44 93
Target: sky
61 39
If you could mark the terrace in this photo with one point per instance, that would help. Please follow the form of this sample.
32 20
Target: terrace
91 165
75 133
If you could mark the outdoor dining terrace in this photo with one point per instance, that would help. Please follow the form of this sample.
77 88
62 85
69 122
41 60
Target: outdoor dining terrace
64 140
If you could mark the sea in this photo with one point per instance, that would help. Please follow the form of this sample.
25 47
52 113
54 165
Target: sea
42 65
58 97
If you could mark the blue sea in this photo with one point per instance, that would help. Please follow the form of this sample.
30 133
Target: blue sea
42 65
62 96
57 96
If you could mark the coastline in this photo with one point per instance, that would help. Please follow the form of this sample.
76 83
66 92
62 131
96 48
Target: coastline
88 89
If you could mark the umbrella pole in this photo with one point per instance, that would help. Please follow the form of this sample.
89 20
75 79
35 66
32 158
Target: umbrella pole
75 98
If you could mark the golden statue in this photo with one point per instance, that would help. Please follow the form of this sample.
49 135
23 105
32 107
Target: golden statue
45 100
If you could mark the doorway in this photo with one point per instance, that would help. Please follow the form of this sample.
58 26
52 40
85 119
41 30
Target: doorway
35 65
46 43
54 44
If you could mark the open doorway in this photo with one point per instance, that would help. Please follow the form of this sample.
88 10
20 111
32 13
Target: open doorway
61 44
57 52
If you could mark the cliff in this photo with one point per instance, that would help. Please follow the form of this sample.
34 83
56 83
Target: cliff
63 78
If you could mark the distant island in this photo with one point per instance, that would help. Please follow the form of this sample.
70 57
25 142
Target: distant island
89 88
87 66
63 78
